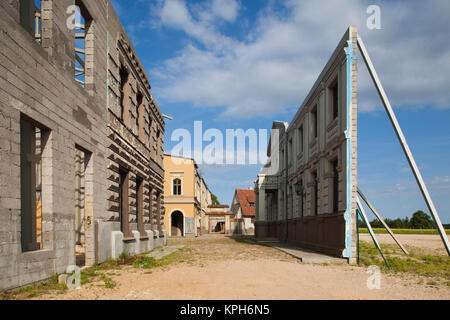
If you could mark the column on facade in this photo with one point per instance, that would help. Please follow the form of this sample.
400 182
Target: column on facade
262 205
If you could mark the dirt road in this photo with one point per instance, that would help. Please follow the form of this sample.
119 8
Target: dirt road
216 267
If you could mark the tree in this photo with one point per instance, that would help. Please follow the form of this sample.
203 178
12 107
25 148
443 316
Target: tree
375 223
214 199
420 220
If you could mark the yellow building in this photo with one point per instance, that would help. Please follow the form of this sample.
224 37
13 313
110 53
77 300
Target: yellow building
186 197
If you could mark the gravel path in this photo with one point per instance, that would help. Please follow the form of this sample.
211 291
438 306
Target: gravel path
222 268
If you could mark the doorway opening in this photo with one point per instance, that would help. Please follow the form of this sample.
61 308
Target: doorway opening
220 227
81 159
177 224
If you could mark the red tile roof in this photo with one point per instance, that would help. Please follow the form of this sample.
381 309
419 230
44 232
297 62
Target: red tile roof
246 196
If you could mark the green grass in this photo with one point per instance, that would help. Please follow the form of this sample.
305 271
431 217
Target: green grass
417 262
146 262
404 231
34 290
95 272
88 275
181 255
109 283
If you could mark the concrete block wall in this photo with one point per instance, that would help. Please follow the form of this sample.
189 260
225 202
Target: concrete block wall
37 82
112 246
139 151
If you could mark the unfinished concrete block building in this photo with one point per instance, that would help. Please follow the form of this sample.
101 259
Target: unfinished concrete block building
81 142
309 199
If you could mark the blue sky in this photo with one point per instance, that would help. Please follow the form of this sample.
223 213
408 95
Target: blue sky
244 63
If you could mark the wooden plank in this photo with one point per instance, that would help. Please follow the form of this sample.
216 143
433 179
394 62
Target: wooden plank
79 60
381 220
369 227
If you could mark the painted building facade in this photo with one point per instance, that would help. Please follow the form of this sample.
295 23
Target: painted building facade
81 173
243 209
306 194
187 197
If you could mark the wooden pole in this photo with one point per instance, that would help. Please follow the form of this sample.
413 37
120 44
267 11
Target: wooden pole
381 220
369 227
404 144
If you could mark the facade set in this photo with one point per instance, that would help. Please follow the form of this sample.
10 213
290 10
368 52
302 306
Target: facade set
243 209
309 199
81 143
187 198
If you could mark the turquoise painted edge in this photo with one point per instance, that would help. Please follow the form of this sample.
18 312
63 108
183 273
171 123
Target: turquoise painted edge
349 51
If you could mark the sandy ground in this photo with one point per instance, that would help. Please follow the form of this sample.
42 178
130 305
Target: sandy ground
222 268
425 241
259 279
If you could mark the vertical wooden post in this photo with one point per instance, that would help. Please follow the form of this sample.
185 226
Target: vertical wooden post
369 227
381 220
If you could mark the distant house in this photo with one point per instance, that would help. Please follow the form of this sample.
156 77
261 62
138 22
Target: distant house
243 208
218 219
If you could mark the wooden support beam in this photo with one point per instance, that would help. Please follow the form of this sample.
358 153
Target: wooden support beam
404 144
79 60
80 26
369 227
381 220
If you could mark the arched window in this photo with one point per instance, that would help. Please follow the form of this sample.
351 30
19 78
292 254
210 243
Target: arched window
177 187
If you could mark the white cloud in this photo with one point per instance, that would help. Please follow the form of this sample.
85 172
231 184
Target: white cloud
272 69
176 14
438 186
225 9
440 183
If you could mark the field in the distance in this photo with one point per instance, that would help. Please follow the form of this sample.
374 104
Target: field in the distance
404 231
